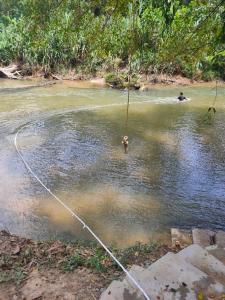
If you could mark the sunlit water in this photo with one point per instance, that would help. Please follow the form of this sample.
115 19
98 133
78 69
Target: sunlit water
173 175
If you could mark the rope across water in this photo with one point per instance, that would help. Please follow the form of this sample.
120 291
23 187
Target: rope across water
85 226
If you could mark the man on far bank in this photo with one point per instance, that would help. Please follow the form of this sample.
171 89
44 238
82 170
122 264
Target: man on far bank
181 97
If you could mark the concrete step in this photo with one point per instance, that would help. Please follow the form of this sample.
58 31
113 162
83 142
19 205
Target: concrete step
180 237
169 278
119 290
204 261
203 237
123 290
216 251
220 239
179 275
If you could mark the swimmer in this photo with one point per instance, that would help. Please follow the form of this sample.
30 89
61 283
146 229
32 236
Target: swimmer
182 97
125 143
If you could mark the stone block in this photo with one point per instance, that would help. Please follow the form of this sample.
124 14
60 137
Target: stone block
220 239
180 237
203 237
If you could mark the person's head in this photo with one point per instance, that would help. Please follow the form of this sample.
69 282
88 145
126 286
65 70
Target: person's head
181 93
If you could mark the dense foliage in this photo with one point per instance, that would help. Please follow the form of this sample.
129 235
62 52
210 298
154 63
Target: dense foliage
173 36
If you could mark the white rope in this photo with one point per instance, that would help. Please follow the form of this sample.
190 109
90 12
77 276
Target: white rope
72 212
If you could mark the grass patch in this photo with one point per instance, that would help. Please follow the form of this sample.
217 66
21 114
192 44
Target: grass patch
73 262
114 81
19 275
97 261
69 256
5 277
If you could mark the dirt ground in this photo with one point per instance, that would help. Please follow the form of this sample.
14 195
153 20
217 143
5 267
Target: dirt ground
56 270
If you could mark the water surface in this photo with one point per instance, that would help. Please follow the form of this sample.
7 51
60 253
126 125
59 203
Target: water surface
173 175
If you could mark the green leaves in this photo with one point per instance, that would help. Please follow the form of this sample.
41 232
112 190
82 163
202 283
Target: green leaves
170 36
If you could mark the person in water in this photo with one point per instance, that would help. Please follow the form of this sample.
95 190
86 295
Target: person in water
181 97
125 143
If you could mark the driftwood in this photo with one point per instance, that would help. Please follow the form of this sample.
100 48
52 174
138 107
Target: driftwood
11 72
28 87
56 77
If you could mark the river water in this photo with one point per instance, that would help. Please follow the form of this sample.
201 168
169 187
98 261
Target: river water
173 175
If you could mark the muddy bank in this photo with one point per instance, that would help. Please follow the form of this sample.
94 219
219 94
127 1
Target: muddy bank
120 81
117 80
56 270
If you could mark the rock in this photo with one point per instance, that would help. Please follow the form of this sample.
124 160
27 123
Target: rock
203 237
220 239
144 88
180 237
98 81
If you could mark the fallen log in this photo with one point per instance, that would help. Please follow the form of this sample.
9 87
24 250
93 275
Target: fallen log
56 77
10 72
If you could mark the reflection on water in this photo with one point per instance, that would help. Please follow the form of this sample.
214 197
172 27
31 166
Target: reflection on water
173 175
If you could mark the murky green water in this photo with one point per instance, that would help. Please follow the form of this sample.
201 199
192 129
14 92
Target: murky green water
174 174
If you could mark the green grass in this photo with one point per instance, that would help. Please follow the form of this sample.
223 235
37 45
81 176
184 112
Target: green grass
73 262
19 275
97 260
4 277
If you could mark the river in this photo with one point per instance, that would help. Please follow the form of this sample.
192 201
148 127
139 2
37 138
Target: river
173 175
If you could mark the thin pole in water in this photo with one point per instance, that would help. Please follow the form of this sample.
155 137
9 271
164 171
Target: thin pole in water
128 95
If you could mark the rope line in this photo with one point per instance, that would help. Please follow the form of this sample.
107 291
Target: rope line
210 114
214 102
85 226
128 95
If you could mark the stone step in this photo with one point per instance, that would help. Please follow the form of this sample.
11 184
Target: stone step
216 251
119 290
183 277
123 290
220 239
203 237
169 278
204 261
180 237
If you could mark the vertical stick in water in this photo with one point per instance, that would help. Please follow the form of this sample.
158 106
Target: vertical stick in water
214 102
128 96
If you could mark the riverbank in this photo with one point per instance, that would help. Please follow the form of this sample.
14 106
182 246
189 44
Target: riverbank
142 82
115 79
57 270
